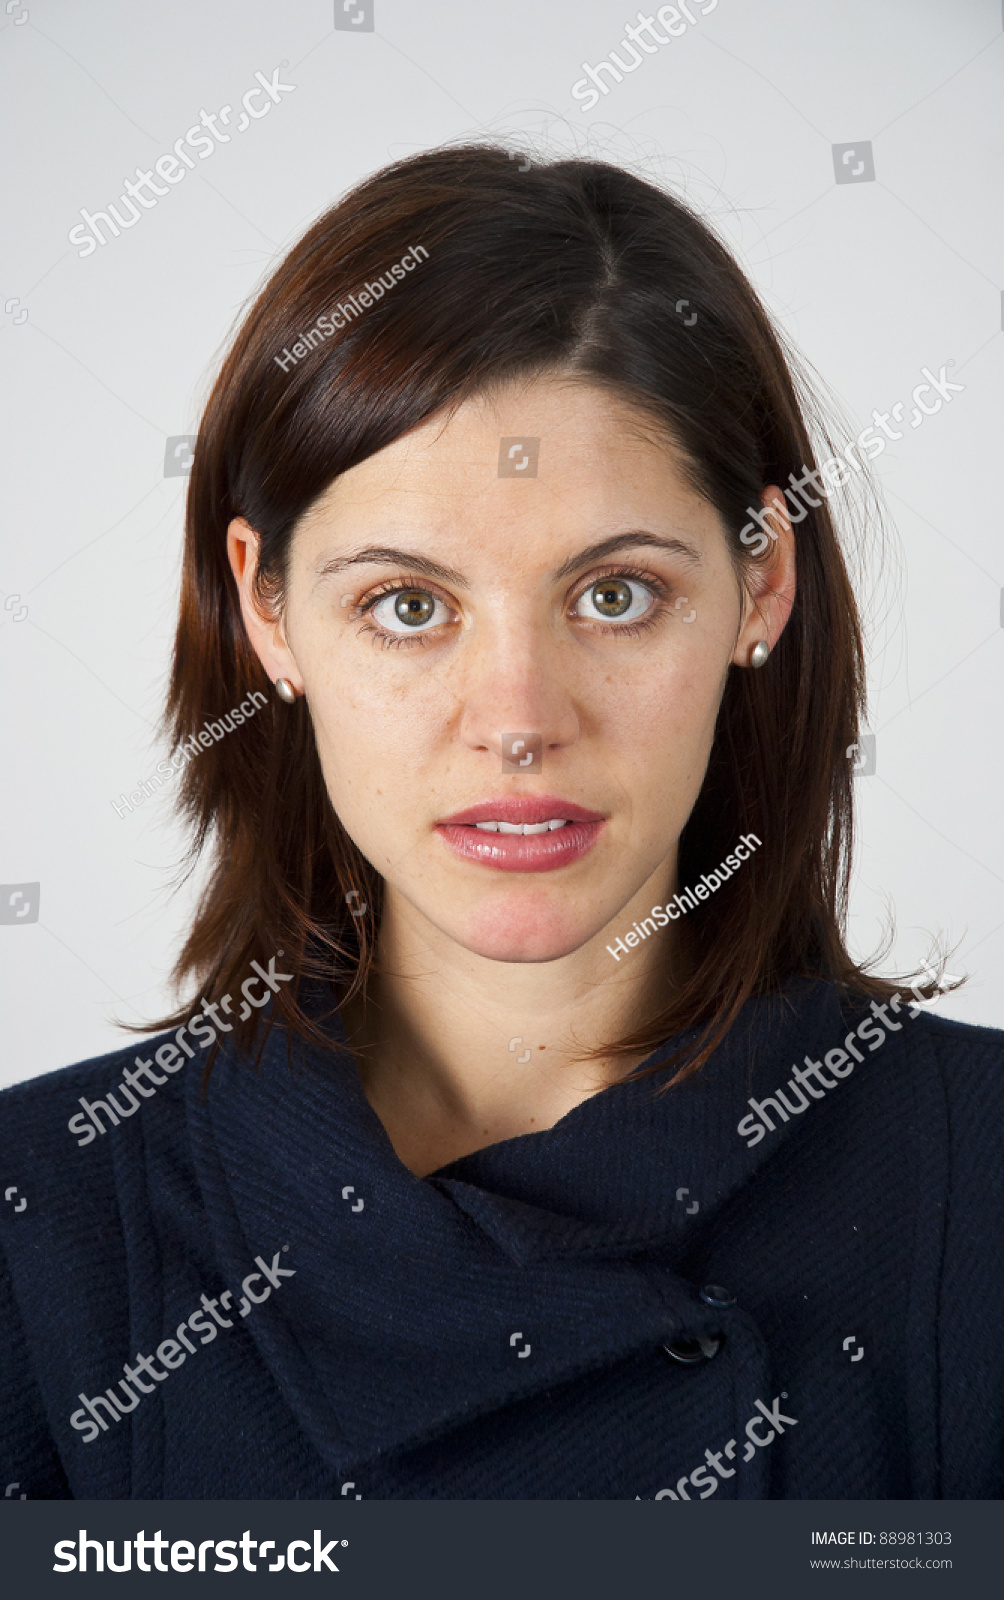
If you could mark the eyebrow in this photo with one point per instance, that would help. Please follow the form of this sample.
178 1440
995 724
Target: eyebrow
628 541
388 555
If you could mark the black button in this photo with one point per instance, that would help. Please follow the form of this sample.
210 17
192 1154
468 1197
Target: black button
714 1295
688 1352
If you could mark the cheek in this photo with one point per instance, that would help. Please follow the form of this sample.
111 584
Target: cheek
664 719
376 721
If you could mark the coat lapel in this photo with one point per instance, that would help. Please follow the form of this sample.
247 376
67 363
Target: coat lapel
419 1304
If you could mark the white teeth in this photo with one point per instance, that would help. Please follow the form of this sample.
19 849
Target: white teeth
522 827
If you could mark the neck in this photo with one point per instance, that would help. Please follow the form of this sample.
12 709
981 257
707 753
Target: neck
457 1052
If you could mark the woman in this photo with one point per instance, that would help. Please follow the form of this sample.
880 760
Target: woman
553 1144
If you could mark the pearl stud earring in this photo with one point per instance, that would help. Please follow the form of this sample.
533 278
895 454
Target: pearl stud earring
759 653
284 689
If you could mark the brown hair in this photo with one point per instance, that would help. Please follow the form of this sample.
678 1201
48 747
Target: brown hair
572 264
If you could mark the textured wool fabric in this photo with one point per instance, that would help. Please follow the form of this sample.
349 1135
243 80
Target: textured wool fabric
496 1330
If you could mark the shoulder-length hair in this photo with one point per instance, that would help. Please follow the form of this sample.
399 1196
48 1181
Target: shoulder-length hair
571 265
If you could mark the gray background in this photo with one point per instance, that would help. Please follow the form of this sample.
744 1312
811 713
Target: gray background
872 280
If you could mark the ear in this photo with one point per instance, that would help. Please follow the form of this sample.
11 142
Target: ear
771 582
266 634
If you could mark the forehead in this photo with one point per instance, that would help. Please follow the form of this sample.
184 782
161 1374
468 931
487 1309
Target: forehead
554 456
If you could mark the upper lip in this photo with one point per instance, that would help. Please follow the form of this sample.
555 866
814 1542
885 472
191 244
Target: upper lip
522 808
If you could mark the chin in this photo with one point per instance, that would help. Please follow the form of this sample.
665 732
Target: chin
519 934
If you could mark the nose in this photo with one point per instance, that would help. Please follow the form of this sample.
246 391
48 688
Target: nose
517 697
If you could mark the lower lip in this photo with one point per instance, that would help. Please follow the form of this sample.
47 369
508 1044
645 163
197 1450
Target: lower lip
521 852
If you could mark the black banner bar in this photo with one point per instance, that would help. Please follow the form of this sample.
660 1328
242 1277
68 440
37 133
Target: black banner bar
507 1550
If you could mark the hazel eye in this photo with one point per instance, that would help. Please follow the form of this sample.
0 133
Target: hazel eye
614 599
408 610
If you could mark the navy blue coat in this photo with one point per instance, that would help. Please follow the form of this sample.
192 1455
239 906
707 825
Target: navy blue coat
640 1301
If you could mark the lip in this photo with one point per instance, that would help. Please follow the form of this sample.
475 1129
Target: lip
515 852
522 808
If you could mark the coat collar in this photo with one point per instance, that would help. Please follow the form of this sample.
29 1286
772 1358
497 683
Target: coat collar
399 1321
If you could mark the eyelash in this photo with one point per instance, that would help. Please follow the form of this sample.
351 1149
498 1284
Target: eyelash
394 641
629 630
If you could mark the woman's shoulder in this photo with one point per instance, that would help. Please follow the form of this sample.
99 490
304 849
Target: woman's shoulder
81 1103
958 1046
969 1061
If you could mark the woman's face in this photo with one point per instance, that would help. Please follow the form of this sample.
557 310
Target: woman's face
536 569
